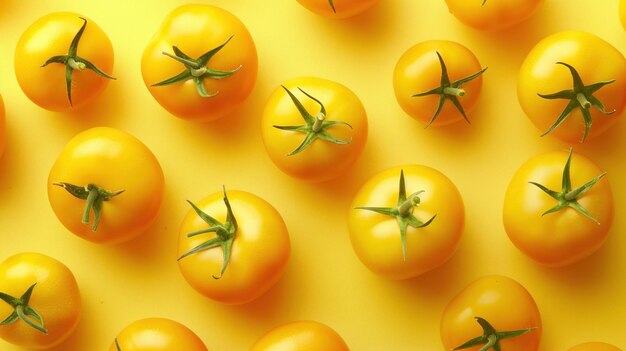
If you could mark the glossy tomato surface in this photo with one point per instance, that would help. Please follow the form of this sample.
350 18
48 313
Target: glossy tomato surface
49 36
301 336
157 334
594 346
196 30
55 297
492 14
112 160
338 8
2 127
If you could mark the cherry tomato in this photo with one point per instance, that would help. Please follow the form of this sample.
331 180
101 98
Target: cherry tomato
622 12
157 334
492 313
594 346
314 129
39 301
565 92
201 64
233 254
63 61
338 8
2 127
112 174
438 82
492 14
301 336
567 221
406 221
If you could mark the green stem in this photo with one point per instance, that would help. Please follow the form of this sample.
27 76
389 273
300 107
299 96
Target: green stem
198 72
185 62
76 64
319 122
454 91
91 198
407 206
582 100
491 341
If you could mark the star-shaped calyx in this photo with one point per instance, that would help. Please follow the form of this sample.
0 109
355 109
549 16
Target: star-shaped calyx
449 90
403 212
72 61
94 196
226 233
22 311
491 337
568 197
315 127
581 97
197 69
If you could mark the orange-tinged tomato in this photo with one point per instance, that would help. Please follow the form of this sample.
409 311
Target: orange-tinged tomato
44 54
107 171
437 82
301 336
233 246
492 14
338 8
579 95
505 306
2 127
622 12
157 334
406 221
49 296
330 135
221 65
594 346
577 228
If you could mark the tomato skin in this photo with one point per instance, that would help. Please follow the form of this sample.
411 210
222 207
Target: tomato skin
622 13
322 160
594 346
2 127
493 15
566 236
49 36
376 237
539 73
301 336
196 29
503 302
56 298
259 255
157 334
418 70
113 160
343 8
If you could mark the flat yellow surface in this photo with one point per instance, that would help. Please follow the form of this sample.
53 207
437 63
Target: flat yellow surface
324 281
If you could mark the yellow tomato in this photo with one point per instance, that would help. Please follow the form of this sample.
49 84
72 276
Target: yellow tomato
492 14
157 334
338 8
301 336
594 346
104 170
569 104
331 132
220 68
622 12
49 297
406 221
437 82
2 127
44 54
579 225
505 306
233 254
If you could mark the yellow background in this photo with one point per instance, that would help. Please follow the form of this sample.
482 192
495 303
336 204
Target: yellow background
324 281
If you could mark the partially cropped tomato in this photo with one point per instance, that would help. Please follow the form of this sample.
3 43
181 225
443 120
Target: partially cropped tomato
2 127
594 346
622 12
106 186
406 221
314 129
233 246
301 336
492 313
492 14
63 61
201 64
338 8
558 208
157 334
566 92
438 82
39 301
